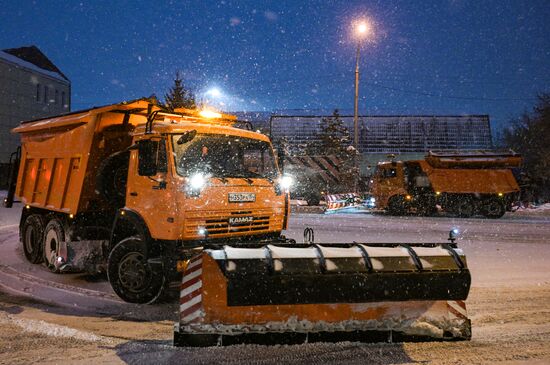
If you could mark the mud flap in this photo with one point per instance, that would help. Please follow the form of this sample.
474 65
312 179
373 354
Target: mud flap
83 256
275 294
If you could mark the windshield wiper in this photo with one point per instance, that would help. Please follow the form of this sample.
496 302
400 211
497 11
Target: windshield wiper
222 179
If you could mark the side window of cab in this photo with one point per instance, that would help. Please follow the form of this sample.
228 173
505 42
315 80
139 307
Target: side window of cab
388 172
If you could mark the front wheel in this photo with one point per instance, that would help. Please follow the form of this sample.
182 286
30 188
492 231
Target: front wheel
132 276
427 207
396 205
313 200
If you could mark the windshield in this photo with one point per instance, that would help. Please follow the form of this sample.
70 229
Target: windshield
224 156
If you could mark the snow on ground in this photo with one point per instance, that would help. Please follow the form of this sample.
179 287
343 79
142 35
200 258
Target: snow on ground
77 319
48 329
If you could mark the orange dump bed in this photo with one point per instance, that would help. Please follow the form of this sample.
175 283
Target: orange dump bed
483 181
54 159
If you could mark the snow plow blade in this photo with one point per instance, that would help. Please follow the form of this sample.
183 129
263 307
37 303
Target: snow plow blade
331 292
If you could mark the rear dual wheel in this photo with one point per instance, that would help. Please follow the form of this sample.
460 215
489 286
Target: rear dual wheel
32 233
463 206
54 246
43 242
493 208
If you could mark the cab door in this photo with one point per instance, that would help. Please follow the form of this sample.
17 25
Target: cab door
151 193
386 183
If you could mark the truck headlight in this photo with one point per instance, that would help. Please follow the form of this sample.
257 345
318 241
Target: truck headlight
285 182
195 183
283 185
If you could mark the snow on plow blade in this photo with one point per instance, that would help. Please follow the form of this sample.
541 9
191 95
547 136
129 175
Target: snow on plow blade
328 293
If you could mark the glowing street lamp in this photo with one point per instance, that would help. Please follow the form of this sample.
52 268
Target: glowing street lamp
214 92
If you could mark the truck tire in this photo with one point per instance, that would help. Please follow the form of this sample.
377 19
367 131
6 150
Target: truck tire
427 207
132 277
313 200
396 205
493 208
32 233
52 244
463 206
112 176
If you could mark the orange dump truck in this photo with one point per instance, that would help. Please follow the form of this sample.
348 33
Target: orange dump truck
460 183
151 196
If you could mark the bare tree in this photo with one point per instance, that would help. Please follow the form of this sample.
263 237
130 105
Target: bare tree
530 136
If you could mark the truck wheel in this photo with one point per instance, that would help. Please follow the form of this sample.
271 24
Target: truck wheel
396 205
53 244
427 207
493 208
313 200
132 277
463 206
112 177
32 233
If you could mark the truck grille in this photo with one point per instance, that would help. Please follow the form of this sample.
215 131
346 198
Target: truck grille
218 224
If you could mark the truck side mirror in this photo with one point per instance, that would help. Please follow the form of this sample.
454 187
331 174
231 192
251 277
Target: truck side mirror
147 157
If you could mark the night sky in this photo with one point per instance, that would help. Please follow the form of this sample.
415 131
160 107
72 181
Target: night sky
425 57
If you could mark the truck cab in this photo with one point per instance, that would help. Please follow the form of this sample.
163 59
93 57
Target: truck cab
387 182
211 183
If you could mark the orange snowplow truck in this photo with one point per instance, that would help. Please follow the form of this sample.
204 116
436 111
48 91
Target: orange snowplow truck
151 196
463 184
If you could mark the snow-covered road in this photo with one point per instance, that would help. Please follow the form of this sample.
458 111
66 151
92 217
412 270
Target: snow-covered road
509 259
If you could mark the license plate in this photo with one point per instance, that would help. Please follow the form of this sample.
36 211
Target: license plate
241 197
240 220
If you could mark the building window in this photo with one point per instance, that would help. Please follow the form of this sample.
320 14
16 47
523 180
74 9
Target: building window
45 94
63 99
56 97
37 92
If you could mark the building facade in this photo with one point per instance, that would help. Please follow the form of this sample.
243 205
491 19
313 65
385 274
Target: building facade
392 134
31 87
407 136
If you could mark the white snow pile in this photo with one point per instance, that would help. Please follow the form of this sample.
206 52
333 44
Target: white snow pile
421 326
530 208
50 329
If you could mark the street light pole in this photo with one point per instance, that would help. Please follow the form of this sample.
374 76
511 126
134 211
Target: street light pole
361 30
356 100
